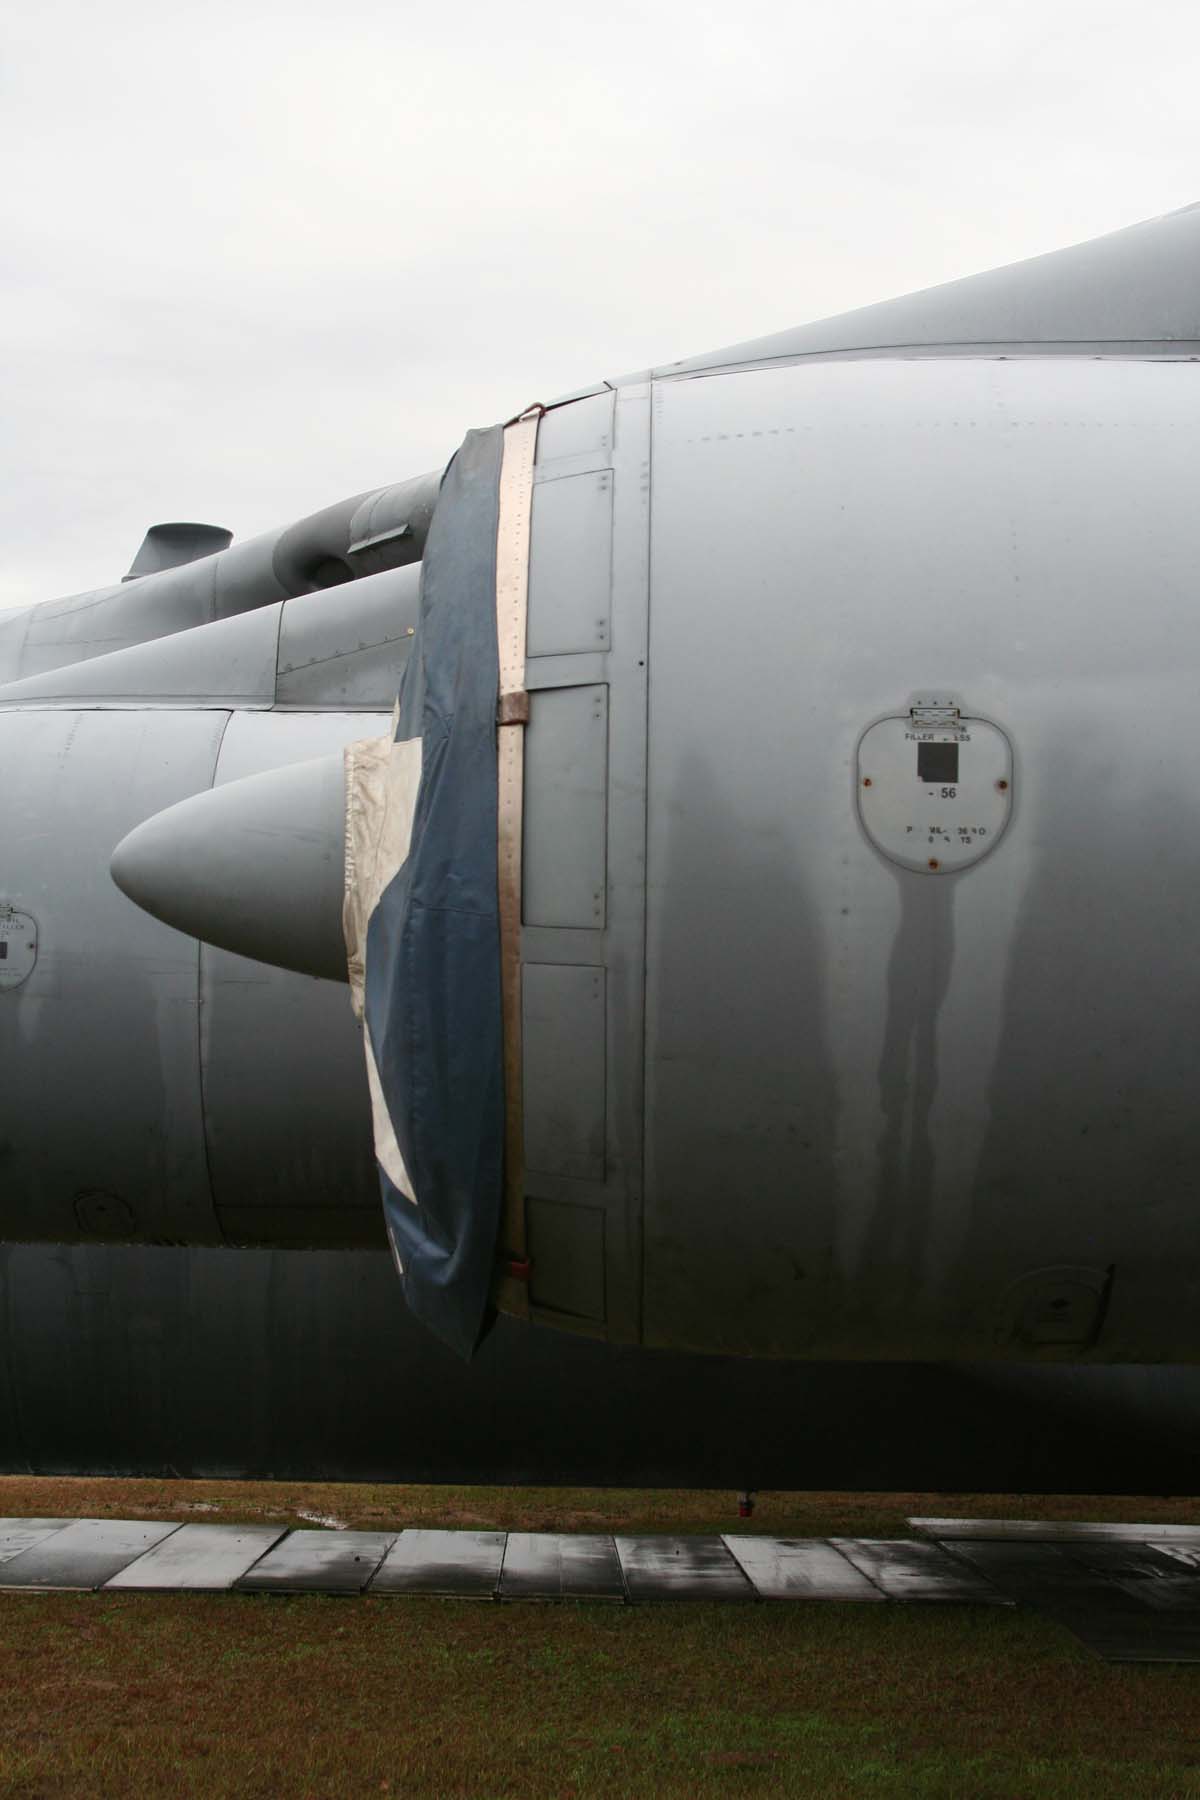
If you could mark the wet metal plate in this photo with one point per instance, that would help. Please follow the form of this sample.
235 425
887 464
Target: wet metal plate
1031 1571
1183 1555
680 1568
21 1534
199 1558
1120 1561
551 1566
454 1564
908 1571
320 1562
85 1554
1129 1618
1052 1531
799 1569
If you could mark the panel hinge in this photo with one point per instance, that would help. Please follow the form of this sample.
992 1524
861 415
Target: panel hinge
935 715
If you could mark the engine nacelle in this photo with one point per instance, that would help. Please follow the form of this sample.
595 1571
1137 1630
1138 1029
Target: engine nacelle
858 984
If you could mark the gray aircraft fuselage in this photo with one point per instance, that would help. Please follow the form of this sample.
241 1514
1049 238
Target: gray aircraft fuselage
859 989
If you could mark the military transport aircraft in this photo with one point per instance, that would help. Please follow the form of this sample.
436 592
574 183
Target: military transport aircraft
847 1012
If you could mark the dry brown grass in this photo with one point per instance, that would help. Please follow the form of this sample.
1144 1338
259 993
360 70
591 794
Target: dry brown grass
385 1507
152 1695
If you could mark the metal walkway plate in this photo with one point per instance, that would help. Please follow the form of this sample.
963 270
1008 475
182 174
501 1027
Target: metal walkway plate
799 1569
553 1566
17 1535
1124 1616
1054 1531
1185 1556
320 1562
85 1554
681 1568
199 1558
454 1564
908 1571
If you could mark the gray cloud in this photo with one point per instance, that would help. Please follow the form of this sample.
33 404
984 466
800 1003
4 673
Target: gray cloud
255 262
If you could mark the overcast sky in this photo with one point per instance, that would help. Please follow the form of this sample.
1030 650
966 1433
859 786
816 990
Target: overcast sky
261 256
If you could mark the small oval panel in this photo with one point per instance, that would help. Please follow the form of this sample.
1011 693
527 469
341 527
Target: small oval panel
18 946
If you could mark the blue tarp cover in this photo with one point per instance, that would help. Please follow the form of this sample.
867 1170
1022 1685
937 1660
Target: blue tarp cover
432 994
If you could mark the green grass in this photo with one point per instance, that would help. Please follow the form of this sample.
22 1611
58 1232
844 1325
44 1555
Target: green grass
114 1695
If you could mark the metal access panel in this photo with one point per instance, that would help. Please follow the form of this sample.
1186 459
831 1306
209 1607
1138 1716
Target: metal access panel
567 1261
580 430
570 571
583 878
563 1039
566 808
346 647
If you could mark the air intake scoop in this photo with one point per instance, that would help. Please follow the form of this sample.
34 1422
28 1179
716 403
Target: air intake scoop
169 546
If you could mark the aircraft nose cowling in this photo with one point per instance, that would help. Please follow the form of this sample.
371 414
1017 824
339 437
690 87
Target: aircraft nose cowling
254 866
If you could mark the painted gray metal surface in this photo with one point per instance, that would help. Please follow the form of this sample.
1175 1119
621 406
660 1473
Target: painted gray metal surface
560 1566
908 1571
799 1569
109 1042
347 648
566 809
342 648
228 662
1132 291
564 1040
319 1562
199 1558
583 902
322 551
460 1565
875 1126
878 1122
100 1108
278 1047
681 1568
84 1554
570 590
274 1364
17 1535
